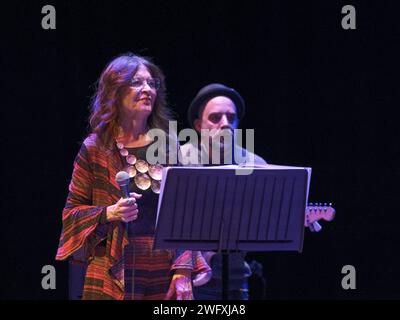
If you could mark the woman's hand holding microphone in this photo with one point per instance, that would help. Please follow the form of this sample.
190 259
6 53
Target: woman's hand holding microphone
125 210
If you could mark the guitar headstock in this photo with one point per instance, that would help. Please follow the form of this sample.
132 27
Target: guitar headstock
318 211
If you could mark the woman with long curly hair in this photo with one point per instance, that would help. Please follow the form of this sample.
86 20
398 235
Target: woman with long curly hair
112 237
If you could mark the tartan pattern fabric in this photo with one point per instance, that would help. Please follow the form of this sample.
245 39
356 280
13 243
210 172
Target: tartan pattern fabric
92 188
149 269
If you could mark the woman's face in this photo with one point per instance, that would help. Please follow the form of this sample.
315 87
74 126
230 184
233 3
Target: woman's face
141 94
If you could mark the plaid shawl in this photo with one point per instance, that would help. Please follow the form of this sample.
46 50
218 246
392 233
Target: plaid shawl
92 188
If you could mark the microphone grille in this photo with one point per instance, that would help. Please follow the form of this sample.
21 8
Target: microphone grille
122 176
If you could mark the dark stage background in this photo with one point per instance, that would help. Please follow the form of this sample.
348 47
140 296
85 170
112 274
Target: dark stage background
316 95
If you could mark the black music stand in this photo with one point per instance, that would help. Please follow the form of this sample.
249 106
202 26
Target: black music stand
213 208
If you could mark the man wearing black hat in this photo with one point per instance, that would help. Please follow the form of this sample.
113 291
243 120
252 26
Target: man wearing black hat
219 108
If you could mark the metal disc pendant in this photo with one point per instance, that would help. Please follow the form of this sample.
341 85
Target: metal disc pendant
131 170
155 171
142 181
141 166
155 186
124 152
120 145
131 159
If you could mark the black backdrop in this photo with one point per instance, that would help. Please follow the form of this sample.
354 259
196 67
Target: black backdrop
317 95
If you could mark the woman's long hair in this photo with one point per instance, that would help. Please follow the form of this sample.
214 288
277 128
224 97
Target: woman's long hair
112 87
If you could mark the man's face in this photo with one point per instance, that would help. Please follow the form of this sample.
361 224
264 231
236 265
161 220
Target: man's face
219 116
219 113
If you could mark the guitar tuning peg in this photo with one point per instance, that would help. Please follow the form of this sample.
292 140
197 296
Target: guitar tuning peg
317 226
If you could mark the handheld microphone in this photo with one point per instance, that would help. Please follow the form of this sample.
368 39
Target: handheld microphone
122 178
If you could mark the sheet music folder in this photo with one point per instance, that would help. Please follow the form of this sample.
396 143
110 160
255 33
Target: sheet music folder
213 208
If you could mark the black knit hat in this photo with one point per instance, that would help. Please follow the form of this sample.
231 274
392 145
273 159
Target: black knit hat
211 91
